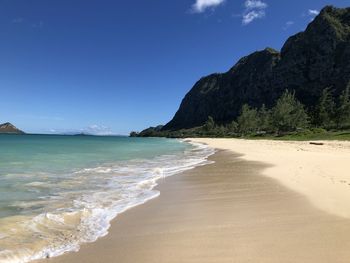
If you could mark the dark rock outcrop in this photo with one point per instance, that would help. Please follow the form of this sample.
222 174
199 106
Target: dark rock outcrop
149 132
309 62
8 128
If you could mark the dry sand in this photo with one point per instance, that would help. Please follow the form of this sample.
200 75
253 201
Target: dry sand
321 173
223 212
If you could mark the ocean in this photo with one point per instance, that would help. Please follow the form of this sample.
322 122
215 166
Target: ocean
57 192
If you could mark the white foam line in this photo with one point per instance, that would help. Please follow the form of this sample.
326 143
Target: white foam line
100 218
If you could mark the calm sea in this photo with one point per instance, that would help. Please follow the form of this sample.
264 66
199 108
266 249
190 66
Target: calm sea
57 192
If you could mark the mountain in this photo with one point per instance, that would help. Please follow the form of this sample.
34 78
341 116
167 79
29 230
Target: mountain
308 62
150 132
8 128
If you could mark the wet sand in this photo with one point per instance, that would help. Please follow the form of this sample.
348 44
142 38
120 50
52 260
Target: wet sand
222 212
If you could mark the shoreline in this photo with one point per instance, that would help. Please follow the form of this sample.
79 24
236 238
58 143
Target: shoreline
221 212
134 189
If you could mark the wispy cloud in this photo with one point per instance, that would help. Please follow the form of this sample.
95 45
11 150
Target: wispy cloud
94 129
201 5
288 25
313 12
18 20
26 23
254 9
255 4
252 15
97 130
39 24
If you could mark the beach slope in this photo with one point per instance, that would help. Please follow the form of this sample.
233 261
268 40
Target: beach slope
319 172
227 211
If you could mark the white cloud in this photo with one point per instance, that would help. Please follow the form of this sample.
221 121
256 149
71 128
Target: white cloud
251 16
255 4
201 5
313 12
254 9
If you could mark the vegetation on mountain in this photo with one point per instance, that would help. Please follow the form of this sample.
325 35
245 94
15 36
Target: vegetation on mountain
287 118
343 111
303 89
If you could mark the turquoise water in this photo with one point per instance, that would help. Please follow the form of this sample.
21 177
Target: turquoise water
57 192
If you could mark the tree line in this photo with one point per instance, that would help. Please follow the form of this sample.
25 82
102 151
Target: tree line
288 115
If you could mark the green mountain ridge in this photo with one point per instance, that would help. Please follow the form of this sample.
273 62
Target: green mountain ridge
308 63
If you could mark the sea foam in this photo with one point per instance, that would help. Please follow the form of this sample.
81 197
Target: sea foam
86 202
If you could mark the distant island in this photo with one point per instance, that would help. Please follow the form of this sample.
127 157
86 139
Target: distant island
304 88
8 128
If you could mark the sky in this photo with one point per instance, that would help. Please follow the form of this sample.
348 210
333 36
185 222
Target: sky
110 67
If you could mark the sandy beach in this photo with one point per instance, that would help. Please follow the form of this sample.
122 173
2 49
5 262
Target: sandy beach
260 201
319 172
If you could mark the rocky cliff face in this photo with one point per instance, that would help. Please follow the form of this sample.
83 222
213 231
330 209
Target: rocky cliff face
8 128
308 62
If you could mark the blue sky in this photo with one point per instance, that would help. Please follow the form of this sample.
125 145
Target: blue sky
114 66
